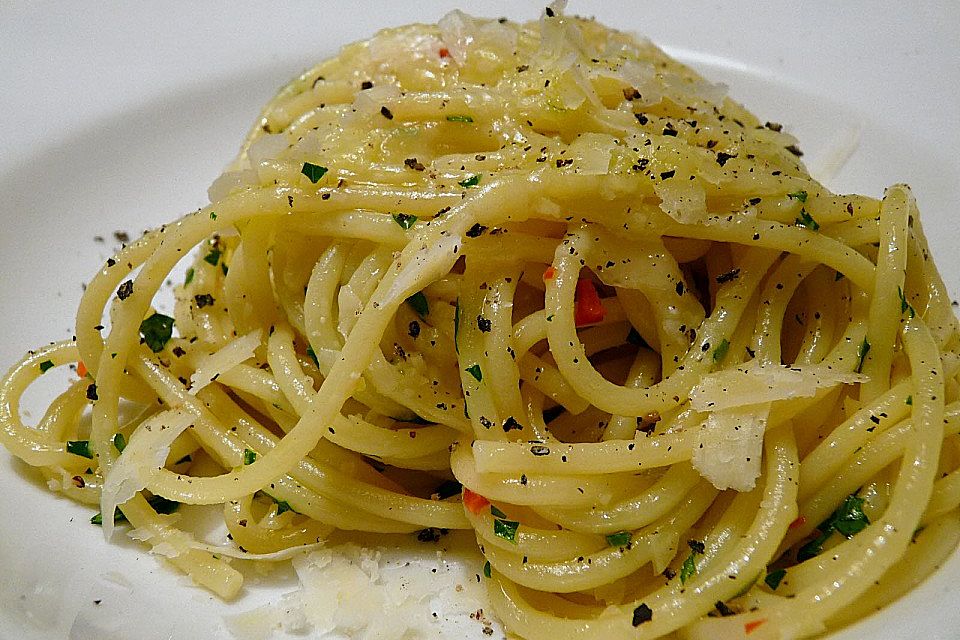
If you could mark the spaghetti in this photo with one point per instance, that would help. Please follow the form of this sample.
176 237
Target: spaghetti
542 281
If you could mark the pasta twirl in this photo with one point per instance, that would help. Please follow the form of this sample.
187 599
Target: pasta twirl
543 282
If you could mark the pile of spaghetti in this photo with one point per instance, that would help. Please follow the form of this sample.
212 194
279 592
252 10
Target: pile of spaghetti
543 282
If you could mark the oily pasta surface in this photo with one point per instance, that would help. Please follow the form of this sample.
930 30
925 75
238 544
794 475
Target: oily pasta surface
543 282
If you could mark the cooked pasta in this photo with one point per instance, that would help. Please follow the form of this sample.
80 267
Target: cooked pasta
543 282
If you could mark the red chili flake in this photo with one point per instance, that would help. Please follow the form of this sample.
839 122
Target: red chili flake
750 627
444 52
550 273
81 368
587 309
474 502
799 522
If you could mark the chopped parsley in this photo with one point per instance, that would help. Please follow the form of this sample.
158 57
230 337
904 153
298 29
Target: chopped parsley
156 331
486 569
506 529
405 220
774 578
213 257
79 448
475 371
119 442
249 456
862 352
800 196
689 566
313 356
496 513
189 277
283 506
904 305
721 351
157 503
848 520
806 220
213 215
459 119
46 365
910 400
619 539
313 171
418 302
472 181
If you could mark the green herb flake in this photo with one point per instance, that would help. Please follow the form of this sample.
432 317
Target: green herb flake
800 196
46 365
862 352
806 220
405 220
213 257
249 456
189 277
156 331
467 119
119 442
619 539
213 215
848 520
910 401
418 302
486 569
472 181
283 506
475 371
688 568
313 356
158 503
184 460
506 529
721 351
496 513
313 171
904 305
79 448
774 578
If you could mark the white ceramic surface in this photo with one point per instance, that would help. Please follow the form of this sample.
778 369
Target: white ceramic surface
117 117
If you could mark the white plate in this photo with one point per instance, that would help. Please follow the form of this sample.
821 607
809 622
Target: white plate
118 117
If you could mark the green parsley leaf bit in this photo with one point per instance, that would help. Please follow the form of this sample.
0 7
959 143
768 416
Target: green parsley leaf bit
806 220
774 578
472 181
80 448
721 351
46 365
156 331
418 302
475 371
313 171
862 352
619 539
405 220
506 529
